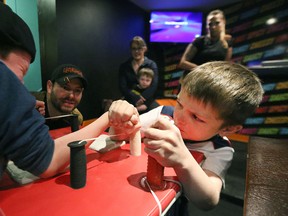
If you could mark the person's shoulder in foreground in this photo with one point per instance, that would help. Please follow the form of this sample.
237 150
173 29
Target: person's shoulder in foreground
24 138
17 50
214 101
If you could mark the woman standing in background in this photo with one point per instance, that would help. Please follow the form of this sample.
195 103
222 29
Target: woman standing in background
215 46
128 73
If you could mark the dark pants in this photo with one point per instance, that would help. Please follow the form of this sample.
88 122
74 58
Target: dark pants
179 208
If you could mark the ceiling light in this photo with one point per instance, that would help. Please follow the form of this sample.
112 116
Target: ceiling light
271 21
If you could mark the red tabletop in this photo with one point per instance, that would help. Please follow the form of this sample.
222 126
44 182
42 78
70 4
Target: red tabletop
112 188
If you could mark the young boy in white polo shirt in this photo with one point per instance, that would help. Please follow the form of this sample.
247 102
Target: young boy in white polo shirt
214 101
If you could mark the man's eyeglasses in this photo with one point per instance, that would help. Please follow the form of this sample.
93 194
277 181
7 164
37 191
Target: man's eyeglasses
68 90
137 49
213 24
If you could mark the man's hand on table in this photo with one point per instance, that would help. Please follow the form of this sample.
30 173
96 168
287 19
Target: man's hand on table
123 119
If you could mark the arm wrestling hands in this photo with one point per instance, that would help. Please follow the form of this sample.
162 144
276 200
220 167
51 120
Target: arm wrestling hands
163 141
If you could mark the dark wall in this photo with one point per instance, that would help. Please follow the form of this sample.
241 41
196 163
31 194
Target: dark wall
254 40
95 36
48 38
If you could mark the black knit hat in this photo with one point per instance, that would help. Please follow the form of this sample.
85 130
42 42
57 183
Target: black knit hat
65 72
15 32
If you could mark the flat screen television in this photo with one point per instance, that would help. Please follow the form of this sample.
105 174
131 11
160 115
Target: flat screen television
175 27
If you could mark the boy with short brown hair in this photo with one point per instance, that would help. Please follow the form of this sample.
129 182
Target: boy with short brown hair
214 101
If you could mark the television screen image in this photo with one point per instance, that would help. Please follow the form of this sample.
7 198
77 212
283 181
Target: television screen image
175 27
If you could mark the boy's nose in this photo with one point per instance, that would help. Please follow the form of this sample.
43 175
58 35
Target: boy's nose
180 118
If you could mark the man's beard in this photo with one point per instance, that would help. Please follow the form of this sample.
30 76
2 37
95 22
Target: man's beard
57 104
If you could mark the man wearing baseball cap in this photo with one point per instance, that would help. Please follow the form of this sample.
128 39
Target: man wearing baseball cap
64 93
24 137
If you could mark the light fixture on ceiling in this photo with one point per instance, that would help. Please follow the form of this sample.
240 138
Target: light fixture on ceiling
271 21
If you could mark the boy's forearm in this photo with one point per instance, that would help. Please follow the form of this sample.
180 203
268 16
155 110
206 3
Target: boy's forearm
118 134
196 184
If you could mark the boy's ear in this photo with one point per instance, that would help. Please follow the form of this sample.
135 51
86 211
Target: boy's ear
230 130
